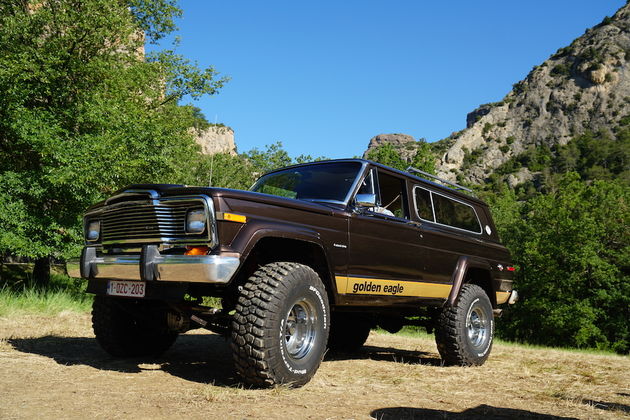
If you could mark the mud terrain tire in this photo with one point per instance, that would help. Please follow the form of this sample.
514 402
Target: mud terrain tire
280 328
464 331
131 328
348 332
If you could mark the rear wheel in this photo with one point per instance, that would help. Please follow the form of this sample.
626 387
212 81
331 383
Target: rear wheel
464 331
348 332
130 327
281 324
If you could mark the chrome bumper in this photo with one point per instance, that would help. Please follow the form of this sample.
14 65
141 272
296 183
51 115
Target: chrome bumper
150 265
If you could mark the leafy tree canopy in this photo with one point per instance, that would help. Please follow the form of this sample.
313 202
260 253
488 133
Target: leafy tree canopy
83 112
423 157
572 249
274 157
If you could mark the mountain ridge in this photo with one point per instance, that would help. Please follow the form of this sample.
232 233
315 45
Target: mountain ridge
582 87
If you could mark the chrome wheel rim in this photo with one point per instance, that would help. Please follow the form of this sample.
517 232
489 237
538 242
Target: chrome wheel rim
477 326
300 331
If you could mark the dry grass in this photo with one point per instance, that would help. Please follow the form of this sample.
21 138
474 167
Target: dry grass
51 367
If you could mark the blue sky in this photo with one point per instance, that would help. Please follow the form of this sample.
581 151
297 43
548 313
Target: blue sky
324 77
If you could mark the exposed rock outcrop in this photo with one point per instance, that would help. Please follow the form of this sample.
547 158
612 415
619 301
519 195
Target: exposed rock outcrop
216 139
399 141
585 86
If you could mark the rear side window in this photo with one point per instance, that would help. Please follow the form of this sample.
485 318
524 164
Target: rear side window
456 214
445 211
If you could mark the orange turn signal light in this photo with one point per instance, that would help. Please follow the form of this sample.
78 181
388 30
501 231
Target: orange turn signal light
232 217
196 250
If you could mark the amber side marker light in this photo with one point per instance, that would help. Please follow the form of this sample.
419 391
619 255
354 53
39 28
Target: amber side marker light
232 217
196 250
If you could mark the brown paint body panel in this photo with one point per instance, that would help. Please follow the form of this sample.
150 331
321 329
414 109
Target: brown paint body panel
374 246
365 245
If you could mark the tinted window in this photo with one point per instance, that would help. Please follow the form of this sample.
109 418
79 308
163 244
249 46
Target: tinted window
454 213
367 185
423 204
392 194
324 181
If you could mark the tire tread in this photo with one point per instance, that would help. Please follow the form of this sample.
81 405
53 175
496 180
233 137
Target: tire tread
257 305
450 342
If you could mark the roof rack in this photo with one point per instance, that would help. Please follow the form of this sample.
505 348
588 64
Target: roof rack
411 170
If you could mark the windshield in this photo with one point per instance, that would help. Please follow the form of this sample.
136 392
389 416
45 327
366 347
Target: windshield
319 182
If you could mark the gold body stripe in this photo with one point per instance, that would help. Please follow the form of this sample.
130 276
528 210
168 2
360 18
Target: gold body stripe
365 286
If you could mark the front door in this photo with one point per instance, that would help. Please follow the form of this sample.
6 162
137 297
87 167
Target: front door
385 257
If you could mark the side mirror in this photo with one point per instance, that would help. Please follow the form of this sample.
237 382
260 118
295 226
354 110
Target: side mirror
365 200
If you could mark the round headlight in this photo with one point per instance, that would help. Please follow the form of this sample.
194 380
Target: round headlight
196 221
93 230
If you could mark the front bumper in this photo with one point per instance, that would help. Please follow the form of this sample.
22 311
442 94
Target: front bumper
150 265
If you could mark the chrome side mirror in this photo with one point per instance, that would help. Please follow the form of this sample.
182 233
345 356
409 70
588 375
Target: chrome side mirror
365 200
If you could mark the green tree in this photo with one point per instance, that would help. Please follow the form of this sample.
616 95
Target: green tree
388 155
423 157
572 250
83 112
273 157
221 170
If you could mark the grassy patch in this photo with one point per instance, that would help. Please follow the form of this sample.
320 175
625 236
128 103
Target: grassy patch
49 301
19 296
420 332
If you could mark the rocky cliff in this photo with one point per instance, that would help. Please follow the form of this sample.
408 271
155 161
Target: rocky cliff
216 139
402 142
584 86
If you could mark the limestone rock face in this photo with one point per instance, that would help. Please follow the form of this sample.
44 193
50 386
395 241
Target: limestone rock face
216 139
397 140
521 176
585 86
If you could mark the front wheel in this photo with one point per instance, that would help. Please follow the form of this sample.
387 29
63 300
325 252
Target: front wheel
131 328
280 326
464 331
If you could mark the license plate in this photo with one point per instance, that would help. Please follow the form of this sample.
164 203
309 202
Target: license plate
126 288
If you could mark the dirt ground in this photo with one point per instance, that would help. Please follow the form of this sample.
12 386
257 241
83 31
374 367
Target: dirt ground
52 368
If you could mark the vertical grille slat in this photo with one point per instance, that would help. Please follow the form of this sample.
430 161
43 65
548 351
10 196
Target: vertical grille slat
142 221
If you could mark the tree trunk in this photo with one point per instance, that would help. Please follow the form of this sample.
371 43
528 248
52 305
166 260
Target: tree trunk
41 271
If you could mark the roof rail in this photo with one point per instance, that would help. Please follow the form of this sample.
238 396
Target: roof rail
411 170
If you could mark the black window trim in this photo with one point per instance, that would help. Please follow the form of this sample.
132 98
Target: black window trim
434 221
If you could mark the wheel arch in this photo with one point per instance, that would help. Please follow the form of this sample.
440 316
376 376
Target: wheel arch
275 247
472 271
481 277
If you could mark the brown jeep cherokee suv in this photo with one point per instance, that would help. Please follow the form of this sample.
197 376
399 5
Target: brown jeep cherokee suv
312 257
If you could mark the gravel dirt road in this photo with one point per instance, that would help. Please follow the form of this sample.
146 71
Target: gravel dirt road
52 368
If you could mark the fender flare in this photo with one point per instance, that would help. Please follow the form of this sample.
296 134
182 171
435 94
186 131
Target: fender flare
247 239
459 274
257 232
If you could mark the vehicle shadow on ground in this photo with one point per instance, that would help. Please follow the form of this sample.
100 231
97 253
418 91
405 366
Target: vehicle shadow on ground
203 358
485 412
388 354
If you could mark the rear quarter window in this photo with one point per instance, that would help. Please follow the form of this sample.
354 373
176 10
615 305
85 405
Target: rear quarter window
456 214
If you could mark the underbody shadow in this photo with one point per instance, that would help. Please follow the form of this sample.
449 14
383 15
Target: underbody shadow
388 354
484 412
203 358
608 406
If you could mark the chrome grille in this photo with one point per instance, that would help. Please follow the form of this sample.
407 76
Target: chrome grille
146 221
